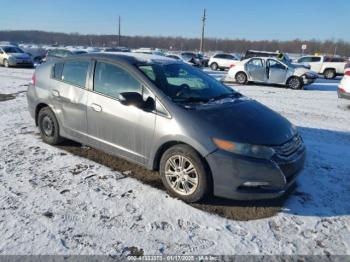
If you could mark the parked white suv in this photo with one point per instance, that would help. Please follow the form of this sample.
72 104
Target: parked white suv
222 61
344 86
328 66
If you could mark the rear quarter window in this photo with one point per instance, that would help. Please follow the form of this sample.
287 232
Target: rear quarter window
75 72
57 71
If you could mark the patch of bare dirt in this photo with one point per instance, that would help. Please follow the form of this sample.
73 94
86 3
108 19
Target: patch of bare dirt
235 210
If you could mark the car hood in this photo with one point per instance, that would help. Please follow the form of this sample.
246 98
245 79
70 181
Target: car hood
245 121
20 55
300 65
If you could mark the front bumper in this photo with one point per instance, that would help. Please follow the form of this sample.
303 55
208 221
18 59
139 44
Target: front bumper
231 171
308 80
343 95
17 62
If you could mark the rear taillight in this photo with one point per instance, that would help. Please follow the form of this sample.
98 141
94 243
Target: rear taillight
347 73
33 82
233 65
341 90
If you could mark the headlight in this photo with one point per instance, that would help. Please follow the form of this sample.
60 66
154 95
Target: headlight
245 149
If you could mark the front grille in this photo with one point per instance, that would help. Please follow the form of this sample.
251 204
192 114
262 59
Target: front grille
289 148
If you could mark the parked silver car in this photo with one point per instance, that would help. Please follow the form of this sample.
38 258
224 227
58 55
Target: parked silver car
201 135
270 71
14 56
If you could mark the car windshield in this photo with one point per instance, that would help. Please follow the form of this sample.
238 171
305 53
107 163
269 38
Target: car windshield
184 83
12 49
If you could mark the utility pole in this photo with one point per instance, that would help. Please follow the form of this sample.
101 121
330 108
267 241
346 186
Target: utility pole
201 48
119 43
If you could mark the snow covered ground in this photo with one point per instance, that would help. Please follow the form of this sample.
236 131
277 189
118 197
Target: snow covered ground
54 202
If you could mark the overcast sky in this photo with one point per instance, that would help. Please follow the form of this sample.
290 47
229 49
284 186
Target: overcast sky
250 19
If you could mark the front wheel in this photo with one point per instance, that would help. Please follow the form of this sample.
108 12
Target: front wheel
48 126
6 63
295 83
184 173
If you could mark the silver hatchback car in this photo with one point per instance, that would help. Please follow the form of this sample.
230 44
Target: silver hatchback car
201 135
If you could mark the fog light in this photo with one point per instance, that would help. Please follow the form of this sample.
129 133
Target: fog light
255 183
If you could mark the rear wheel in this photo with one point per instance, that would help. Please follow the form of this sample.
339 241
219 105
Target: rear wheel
241 78
184 173
214 66
295 82
329 73
48 126
6 63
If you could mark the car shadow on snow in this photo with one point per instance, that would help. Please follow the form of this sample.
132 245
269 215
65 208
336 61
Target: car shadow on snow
322 189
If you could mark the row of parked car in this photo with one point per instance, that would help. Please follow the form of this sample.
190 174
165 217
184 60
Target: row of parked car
254 66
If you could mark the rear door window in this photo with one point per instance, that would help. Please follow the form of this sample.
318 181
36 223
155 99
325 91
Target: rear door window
75 72
111 80
273 64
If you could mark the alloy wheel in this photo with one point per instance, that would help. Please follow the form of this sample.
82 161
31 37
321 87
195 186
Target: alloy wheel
241 78
294 83
181 175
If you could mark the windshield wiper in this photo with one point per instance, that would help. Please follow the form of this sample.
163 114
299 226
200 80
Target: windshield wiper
191 99
232 95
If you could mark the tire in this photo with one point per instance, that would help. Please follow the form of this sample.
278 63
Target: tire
329 74
214 66
48 126
190 187
6 63
295 83
241 78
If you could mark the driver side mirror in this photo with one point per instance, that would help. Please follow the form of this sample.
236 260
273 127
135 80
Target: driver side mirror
136 99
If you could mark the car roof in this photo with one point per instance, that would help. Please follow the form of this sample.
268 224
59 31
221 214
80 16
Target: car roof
262 57
264 52
8 46
129 57
223 54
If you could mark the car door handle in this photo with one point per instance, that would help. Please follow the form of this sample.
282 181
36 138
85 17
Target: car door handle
55 93
96 107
